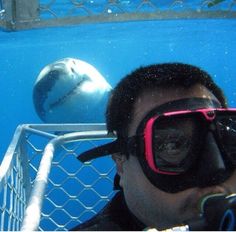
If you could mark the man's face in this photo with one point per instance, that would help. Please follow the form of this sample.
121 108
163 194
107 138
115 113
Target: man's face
149 204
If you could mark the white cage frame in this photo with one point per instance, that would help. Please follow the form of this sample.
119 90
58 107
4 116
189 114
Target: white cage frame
23 192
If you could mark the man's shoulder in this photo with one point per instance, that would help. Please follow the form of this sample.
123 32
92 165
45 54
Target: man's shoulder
115 216
100 222
107 218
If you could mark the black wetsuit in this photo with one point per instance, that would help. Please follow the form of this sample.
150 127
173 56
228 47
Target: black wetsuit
115 216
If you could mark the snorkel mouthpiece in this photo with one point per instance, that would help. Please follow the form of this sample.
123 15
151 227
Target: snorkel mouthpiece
217 212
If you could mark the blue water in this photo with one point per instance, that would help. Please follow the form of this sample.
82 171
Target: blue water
115 50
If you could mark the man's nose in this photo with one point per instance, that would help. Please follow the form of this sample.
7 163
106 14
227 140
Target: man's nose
211 166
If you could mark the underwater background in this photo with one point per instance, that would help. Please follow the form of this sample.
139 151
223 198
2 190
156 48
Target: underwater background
114 49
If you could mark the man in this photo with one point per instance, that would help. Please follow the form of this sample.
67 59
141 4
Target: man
172 148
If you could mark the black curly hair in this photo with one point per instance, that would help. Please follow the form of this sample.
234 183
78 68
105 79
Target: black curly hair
124 95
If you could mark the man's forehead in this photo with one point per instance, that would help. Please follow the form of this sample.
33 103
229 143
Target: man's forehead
152 98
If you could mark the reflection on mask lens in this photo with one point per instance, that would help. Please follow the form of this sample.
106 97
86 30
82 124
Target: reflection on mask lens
226 127
171 146
172 140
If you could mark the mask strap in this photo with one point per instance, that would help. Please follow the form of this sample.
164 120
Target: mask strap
103 150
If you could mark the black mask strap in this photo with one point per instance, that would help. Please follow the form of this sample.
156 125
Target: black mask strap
103 150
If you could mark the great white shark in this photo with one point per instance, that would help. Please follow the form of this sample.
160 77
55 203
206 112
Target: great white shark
70 91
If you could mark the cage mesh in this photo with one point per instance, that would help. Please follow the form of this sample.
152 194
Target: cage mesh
13 197
24 14
74 192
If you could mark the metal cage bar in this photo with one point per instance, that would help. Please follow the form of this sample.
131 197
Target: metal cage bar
24 14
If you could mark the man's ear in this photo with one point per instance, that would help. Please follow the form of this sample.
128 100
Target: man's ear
119 160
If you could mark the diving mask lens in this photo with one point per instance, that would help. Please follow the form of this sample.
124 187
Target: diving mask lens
173 142
226 130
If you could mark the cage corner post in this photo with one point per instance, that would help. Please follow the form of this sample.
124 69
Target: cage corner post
18 12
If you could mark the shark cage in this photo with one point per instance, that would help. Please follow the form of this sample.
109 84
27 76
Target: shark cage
38 172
